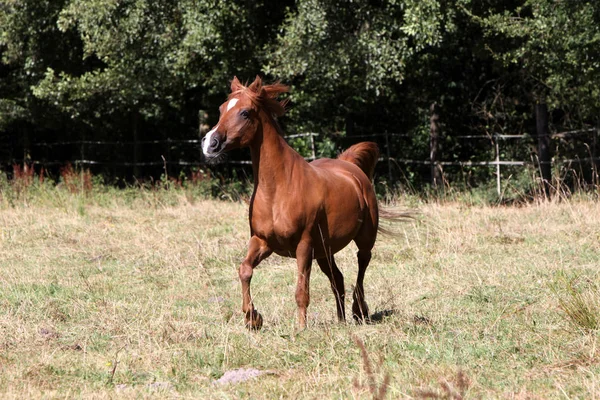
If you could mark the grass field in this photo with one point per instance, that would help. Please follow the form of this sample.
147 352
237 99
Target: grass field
135 294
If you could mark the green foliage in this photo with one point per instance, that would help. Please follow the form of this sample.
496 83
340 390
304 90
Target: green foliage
557 46
29 41
138 69
343 56
134 46
361 45
130 62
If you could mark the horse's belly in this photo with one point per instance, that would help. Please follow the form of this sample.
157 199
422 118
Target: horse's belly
331 229
322 246
285 244
318 251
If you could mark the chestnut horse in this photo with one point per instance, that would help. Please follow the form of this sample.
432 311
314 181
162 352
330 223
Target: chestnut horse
298 209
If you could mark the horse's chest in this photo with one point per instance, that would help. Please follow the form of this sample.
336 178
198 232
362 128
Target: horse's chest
279 227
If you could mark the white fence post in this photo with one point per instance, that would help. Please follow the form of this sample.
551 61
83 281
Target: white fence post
498 183
595 155
312 144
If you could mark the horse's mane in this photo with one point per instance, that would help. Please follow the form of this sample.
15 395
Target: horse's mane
263 96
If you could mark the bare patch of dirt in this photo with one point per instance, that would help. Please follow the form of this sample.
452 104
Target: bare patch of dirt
239 375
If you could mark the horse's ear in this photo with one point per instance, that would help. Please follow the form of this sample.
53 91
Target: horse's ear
236 84
256 85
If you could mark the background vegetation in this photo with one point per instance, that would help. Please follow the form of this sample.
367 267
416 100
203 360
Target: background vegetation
141 70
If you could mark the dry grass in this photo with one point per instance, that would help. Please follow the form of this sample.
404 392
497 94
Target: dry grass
136 295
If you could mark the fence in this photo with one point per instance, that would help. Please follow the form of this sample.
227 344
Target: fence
541 159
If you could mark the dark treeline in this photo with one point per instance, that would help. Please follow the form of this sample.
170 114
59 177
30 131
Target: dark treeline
127 71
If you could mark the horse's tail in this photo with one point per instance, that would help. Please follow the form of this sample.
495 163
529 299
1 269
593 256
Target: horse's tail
364 155
390 217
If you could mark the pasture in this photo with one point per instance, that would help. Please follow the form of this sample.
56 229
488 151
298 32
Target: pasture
135 294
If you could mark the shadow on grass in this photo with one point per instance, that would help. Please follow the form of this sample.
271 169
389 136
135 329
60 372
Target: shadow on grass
380 316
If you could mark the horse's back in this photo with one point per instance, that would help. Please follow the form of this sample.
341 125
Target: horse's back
350 203
336 166
335 170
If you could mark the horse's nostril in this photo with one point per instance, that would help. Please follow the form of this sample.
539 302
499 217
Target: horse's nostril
214 143
203 140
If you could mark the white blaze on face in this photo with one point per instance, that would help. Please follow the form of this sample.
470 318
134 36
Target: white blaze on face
231 104
207 140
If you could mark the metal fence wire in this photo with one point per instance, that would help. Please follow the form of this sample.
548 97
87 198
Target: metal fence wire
88 150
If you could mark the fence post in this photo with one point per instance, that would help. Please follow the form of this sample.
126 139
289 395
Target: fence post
595 155
389 158
312 145
168 159
434 145
498 183
26 147
543 134
81 151
136 145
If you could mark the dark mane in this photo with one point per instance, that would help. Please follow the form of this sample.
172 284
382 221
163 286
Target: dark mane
263 96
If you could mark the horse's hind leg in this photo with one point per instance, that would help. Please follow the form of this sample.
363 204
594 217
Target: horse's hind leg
257 251
360 311
329 268
365 240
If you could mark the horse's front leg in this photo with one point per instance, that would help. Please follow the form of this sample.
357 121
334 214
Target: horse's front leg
304 256
257 251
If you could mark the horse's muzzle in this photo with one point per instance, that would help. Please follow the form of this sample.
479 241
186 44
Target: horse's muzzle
211 145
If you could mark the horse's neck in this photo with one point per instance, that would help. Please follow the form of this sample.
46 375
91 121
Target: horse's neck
272 160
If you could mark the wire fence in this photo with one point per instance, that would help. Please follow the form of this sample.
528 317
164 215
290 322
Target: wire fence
391 135
87 151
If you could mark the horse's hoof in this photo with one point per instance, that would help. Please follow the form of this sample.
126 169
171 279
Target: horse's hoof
254 320
361 314
362 319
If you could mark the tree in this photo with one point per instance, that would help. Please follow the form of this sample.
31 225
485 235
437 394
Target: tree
29 42
139 69
123 69
556 45
345 56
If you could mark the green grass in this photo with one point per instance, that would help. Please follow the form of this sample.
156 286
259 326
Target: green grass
135 294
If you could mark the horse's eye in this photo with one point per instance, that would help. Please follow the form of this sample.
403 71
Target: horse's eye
245 114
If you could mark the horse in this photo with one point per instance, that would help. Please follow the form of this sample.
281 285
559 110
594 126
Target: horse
298 209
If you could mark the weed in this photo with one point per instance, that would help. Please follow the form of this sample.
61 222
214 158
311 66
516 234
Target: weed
452 389
579 300
76 181
377 391
23 177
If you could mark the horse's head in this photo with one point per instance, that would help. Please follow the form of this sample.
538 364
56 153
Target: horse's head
242 115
